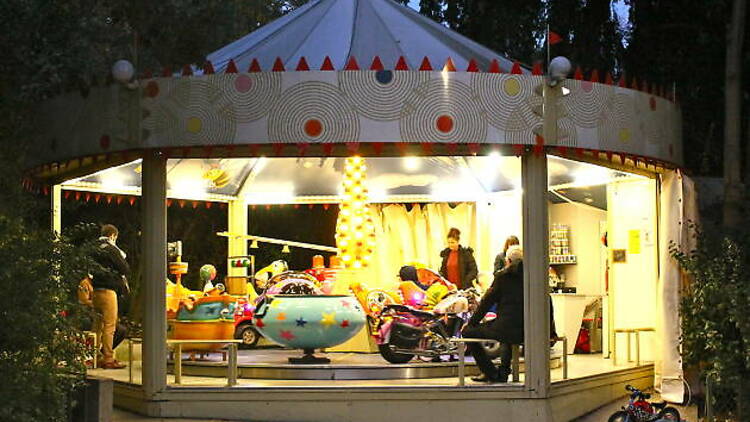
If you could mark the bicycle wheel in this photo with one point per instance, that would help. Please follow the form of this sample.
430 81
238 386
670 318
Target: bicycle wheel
619 416
670 414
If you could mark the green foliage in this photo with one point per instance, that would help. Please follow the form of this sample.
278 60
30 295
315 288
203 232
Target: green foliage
715 317
42 348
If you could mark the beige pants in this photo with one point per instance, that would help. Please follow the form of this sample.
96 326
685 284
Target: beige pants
105 304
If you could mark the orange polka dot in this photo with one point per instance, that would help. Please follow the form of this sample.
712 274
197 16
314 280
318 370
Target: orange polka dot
313 128
444 123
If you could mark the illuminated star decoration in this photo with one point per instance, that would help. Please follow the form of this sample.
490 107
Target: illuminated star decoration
281 316
274 303
301 322
344 323
328 319
259 323
287 335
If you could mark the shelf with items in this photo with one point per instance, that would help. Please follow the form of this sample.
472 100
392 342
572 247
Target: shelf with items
563 260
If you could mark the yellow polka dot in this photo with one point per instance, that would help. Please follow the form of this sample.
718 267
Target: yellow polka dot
194 125
624 135
512 87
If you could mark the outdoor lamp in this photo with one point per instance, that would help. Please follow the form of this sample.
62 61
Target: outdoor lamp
285 249
559 69
122 71
254 245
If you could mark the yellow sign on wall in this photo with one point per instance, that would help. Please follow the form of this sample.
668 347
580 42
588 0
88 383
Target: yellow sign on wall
634 241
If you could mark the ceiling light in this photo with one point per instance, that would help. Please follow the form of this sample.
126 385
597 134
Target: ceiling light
411 163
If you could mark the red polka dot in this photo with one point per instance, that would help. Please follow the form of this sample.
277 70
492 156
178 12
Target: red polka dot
243 83
652 103
313 128
152 89
104 142
444 123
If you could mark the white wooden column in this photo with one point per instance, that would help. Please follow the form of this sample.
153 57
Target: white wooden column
536 249
154 253
56 214
536 262
237 225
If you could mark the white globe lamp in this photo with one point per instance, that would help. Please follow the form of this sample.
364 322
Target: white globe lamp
559 69
123 71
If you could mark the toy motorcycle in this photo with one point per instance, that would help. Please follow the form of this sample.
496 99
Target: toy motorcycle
403 332
640 410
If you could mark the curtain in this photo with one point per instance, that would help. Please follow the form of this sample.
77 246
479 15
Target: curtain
678 206
419 234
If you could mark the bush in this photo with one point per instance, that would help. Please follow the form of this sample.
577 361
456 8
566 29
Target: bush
715 308
42 349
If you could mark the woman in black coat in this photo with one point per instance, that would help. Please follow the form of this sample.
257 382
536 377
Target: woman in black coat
507 293
458 266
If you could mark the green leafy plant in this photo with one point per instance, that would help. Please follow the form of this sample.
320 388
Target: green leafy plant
42 349
715 309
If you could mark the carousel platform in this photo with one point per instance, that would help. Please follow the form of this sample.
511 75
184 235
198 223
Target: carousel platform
273 364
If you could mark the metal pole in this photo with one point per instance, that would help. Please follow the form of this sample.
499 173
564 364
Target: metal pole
154 253
232 365
461 357
178 363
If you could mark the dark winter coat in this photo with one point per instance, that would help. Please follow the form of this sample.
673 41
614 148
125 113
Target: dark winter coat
114 269
467 266
507 293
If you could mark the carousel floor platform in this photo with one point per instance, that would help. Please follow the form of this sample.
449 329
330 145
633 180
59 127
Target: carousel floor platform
273 364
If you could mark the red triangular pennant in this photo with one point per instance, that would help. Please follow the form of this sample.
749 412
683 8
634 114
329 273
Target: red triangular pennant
302 148
278 148
302 65
426 148
516 69
208 68
554 38
328 149
231 67
608 79
376 64
377 147
578 75
594 75
494 67
278 65
473 67
187 70
327 64
401 64
449 66
537 69
254 66
425 66
351 64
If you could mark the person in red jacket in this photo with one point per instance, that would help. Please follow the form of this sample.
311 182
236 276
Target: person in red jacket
458 266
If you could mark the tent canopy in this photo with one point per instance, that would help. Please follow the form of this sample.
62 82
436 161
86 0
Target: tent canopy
362 29
389 179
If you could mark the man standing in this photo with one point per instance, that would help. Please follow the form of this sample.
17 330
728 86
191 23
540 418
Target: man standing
109 279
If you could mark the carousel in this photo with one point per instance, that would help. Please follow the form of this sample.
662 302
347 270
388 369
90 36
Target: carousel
406 129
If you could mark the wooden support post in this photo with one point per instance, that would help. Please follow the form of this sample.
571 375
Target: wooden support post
536 262
154 258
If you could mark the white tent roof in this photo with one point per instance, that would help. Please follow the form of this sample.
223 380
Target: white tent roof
361 29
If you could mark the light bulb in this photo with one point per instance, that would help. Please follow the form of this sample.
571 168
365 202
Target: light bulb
346 258
357 264
358 235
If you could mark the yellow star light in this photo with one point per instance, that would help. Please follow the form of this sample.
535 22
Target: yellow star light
328 319
274 303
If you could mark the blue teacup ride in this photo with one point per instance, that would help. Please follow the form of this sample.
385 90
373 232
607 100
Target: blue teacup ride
309 322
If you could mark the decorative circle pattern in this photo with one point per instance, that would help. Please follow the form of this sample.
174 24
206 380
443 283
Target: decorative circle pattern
192 112
586 101
252 94
503 95
313 111
443 111
380 95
